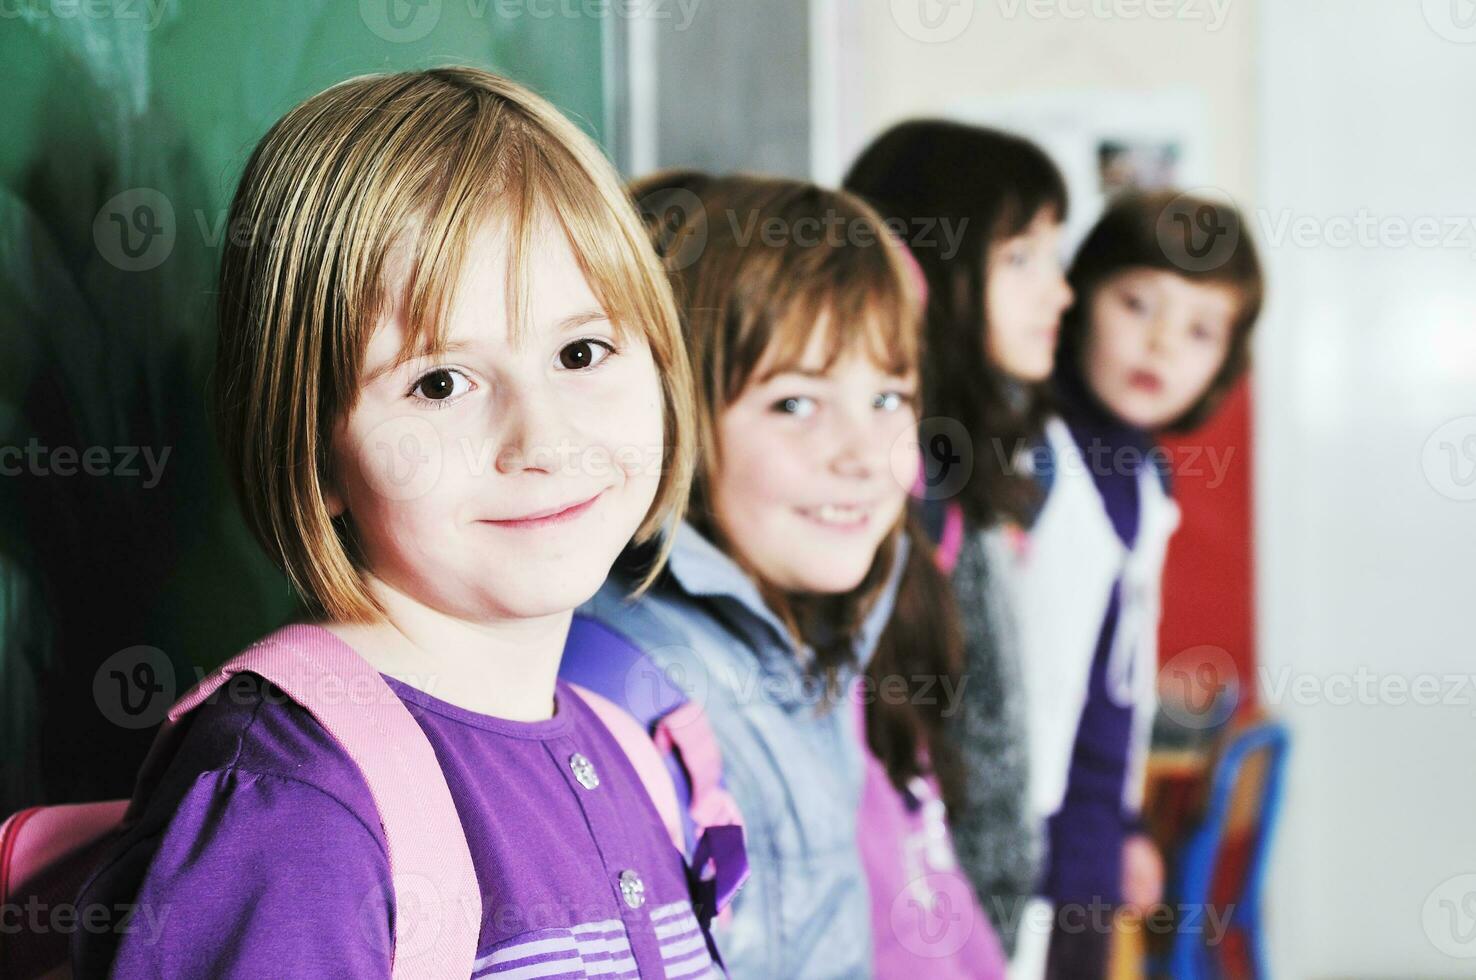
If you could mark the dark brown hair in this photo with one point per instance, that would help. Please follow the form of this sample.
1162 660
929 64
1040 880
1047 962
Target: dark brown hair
1205 241
990 185
923 646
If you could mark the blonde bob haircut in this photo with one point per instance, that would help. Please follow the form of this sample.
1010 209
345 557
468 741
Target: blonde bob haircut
416 160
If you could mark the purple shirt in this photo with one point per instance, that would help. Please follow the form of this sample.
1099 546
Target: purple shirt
261 854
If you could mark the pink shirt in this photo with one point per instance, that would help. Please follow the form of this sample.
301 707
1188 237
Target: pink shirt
925 918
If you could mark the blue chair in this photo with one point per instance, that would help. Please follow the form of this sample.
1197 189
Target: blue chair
1190 957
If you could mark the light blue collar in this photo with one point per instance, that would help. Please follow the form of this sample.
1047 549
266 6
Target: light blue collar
700 568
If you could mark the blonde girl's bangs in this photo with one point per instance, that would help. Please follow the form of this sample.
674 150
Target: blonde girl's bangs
415 161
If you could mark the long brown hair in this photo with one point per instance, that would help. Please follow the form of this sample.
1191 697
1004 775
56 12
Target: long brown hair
921 649
745 299
990 186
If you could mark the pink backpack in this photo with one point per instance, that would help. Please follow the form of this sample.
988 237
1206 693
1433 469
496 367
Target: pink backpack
47 852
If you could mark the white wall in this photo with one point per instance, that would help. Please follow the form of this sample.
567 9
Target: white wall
1322 113
1367 350
984 49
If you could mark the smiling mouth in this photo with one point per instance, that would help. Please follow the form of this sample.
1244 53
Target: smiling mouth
548 518
838 517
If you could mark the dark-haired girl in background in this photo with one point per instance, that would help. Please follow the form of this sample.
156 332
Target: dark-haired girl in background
996 292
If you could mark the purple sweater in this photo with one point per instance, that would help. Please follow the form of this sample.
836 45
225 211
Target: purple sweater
1086 835
261 853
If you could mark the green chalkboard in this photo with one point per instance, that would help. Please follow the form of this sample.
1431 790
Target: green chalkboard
122 558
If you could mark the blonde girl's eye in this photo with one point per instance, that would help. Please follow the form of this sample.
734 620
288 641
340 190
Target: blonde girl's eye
796 405
440 387
583 354
1134 302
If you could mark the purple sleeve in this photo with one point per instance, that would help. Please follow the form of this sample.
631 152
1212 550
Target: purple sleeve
261 875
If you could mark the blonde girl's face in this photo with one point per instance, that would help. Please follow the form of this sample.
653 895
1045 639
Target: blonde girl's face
1155 342
497 479
1025 293
814 469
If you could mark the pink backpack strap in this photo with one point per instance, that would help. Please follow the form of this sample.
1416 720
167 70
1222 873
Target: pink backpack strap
718 824
717 820
685 730
438 905
636 745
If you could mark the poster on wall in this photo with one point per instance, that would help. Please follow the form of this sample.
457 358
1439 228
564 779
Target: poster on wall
1106 141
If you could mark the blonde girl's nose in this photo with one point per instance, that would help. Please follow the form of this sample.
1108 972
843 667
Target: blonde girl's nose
527 423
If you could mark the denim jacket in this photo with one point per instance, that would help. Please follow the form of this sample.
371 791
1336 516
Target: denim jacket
792 756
